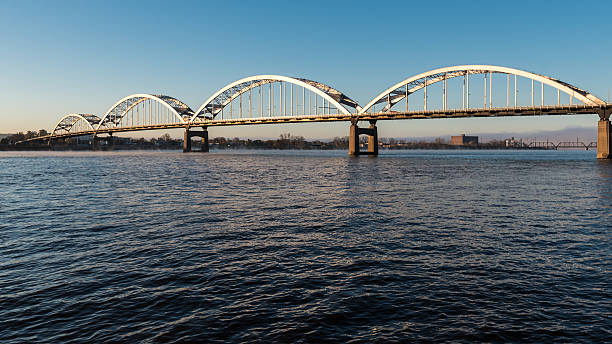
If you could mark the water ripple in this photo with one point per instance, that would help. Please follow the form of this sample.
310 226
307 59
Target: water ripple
303 247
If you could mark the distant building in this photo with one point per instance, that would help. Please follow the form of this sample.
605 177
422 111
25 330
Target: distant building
464 140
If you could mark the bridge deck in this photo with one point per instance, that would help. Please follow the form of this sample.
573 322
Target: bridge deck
391 115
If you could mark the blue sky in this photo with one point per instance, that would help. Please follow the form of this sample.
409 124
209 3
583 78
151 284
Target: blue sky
63 57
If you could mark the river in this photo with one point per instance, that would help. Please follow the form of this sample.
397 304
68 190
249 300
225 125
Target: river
305 246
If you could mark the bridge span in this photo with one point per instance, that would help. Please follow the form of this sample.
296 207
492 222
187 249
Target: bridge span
449 92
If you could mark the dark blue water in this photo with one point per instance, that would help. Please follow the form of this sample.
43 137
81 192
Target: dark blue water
305 246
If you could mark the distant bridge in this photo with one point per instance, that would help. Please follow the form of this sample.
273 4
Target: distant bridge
271 99
562 145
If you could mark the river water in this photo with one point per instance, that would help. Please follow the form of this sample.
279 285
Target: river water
305 246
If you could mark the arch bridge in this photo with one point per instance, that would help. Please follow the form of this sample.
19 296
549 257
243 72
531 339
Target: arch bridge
450 92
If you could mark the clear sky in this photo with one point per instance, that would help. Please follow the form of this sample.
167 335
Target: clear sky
59 57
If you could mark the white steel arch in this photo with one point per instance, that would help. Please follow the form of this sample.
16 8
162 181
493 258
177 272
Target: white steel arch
121 107
415 83
228 93
68 121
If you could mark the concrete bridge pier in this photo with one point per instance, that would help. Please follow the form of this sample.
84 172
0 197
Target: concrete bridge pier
110 141
95 142
201 133
604 135
604 139
372 133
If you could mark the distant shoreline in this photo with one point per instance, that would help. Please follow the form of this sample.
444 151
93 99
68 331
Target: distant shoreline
216 148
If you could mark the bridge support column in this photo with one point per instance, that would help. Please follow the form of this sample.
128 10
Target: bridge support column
604 139
189 134
354 139
95 143
373 139
205 147
354 133
110 141
187 141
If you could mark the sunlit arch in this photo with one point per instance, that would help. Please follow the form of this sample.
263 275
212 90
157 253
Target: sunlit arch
116 112
393 94
213 105
70 121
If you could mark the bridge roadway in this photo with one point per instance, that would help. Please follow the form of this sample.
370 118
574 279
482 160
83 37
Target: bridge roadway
354 118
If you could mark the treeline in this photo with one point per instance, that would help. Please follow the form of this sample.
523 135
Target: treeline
438 143
20 136
286 141
86 142
162 142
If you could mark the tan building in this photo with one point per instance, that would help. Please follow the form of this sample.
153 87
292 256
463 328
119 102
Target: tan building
464 140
